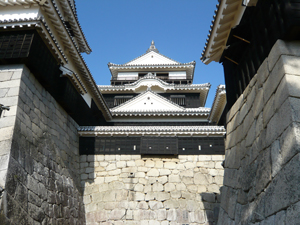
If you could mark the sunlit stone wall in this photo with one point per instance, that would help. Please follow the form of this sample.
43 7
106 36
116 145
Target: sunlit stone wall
135 190
39 156
262 163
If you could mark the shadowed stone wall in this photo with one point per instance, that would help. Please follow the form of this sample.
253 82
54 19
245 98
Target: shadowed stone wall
135 190
262 163
39 155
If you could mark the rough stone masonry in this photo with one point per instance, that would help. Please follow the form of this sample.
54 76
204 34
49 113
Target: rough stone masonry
135 190
261 180
39 159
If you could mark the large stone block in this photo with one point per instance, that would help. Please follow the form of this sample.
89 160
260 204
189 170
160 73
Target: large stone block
235 108
174 178
229 200
168 187
163 172
289 87
263 73
162 196
263 173
276 158
170 165
117 214
155 205
289 144
200 178
233 157
153 173
290 48
280 217
284 188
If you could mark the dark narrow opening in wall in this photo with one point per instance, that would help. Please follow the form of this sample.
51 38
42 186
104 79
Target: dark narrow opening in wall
160 156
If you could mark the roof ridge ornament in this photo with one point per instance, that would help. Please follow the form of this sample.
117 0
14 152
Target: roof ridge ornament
152 47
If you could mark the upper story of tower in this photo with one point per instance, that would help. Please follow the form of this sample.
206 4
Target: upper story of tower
161 66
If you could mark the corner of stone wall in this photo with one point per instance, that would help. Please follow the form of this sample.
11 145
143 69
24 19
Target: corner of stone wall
39 169
263 142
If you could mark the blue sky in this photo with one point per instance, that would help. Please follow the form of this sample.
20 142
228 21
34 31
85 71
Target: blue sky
121 30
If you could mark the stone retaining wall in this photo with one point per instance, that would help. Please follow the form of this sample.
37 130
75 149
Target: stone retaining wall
262 166
39 163
135 190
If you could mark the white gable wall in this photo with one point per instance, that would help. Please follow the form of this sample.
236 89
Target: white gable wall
177 75
152 58
148 102
19 12
128 76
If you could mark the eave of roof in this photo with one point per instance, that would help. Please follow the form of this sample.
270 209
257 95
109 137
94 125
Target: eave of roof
85 73
205 86
68 7
41 25
124 66
218 104
227 15
151 130
185 113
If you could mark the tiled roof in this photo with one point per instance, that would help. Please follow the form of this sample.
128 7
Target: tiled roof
227 15
218 104
210 31
152 65
152 130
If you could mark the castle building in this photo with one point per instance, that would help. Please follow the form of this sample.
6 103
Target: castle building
159 160
156 110
143 150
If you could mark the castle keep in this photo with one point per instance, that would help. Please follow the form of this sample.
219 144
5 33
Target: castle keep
143 150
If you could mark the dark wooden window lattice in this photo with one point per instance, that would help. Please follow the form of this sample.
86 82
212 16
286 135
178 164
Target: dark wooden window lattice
178 99
118 100
149 145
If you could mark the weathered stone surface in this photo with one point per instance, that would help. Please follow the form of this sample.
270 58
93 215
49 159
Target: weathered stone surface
199 178
162 196
280 195
293 214
282 48
117 214
170 165
139 188
163 172
153 173
228 200
263 174
169 187
280 217
289 144
171 215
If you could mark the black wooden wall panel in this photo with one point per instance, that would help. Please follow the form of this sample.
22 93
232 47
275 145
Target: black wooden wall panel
149 145
262 26
27 47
